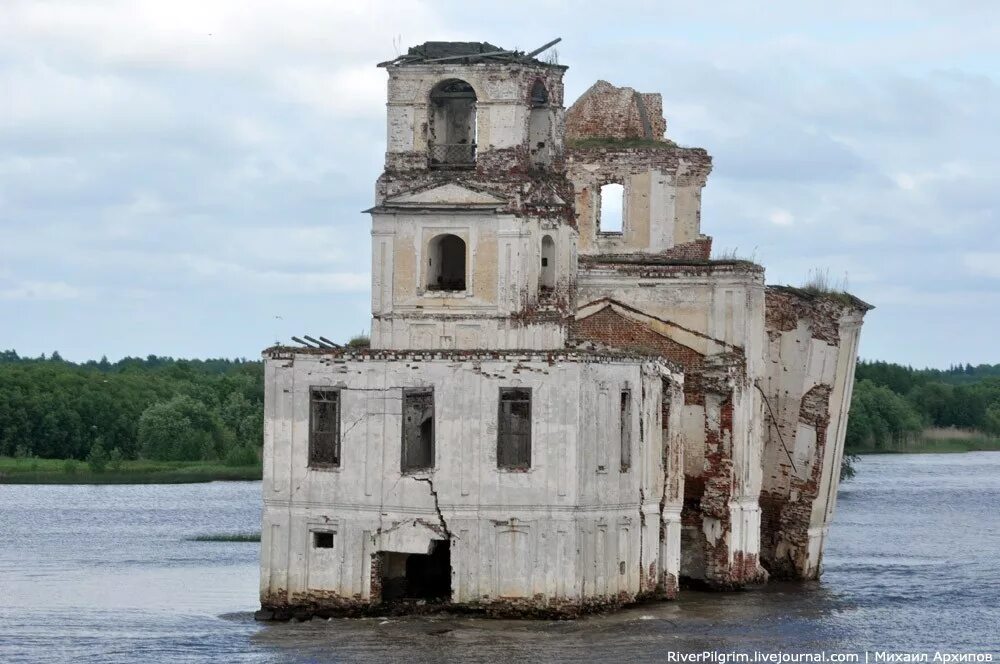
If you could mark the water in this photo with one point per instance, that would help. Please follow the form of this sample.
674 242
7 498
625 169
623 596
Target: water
107 574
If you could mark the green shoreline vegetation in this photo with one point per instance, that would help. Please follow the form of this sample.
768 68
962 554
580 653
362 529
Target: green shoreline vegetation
931 445
152 420
226 537
164 420
71 471
901 409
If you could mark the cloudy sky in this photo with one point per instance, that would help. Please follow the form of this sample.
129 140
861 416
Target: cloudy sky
176 176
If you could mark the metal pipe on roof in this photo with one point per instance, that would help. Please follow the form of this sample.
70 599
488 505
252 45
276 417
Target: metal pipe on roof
546 46
317 342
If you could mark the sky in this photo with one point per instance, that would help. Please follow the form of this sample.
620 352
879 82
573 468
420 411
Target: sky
186 178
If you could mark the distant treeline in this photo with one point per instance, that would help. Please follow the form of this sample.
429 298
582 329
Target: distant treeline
164 409
892 404
153 408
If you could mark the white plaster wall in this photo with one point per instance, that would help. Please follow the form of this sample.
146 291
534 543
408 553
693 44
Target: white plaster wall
503 267
721 310
563 529
798 363
502 106
717 301
648 218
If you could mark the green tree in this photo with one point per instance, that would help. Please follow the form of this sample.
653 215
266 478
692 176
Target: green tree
181 429
98 458
879 418
992 419
115 460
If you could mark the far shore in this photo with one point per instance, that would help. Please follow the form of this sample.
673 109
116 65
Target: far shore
62 471
939 445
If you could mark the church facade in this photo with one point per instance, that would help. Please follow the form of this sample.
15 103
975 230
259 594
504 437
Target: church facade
566 404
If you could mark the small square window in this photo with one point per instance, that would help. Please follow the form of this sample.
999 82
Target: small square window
322 540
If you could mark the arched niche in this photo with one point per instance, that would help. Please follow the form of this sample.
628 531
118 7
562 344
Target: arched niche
446 263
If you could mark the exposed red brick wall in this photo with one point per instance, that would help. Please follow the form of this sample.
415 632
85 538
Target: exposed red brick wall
606 111
696 250
609 327
786 306
786 521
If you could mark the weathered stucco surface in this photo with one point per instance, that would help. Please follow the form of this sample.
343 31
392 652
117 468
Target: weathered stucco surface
573 531
812 343
686 423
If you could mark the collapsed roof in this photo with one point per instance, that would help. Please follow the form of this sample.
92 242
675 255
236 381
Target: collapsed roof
467 53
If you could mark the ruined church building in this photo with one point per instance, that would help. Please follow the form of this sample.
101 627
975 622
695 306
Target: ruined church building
567 405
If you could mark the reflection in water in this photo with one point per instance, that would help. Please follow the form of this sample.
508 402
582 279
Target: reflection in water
108 574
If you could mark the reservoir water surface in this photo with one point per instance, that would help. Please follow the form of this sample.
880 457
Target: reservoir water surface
109 574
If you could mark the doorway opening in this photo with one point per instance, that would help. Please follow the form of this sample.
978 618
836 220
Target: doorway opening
416 576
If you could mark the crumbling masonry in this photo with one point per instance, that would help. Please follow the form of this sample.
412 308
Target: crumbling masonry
567 405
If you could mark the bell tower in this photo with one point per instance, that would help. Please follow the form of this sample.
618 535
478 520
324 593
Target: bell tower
473 230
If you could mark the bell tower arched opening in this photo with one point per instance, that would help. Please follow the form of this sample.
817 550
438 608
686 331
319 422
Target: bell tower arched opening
451 125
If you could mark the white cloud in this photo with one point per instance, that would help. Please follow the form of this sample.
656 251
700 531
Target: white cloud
983 264
178 151
781 217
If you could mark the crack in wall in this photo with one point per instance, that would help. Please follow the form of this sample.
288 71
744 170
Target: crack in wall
777 425
437 505
642 530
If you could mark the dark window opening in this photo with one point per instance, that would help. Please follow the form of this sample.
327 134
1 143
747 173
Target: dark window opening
514 429
416 576
452 125
418 430
322 540
547 277
625 429
324 427
612 209
446 263
540 126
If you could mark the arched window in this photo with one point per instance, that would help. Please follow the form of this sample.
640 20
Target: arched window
446 263
547 276
452 125
611 219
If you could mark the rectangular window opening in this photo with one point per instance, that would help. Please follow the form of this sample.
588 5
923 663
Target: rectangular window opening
514 429
625 429
612 209
418 430
322 539
324 427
